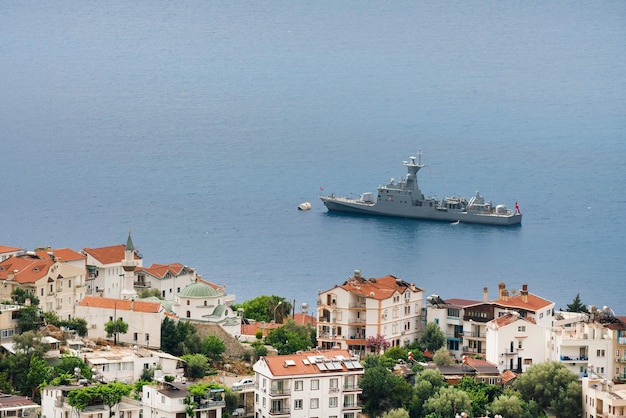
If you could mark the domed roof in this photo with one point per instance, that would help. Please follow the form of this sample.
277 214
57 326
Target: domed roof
199 290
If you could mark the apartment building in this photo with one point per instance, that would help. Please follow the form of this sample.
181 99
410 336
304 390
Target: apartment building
56 277
54 404
515 342
602 398
360 308
169 279
448 314
171 400
311 384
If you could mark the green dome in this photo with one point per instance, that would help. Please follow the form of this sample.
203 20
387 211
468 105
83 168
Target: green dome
199 290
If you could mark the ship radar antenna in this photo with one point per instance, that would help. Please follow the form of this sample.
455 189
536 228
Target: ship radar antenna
419 157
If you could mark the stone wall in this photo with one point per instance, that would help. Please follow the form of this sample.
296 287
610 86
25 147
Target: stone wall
234 349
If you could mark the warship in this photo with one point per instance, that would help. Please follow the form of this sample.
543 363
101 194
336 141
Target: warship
405 199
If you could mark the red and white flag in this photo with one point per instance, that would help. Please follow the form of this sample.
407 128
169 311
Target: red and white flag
517 207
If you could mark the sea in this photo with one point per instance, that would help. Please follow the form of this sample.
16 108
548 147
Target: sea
199 126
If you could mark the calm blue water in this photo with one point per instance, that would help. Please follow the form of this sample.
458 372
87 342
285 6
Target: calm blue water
201 126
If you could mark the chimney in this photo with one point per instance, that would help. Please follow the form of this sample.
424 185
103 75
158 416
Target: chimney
501 290
485 299
524 293
505 295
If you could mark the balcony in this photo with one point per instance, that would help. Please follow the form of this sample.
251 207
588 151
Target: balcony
352 405
575 359
351 387
280 412
280 391
621 359
142 284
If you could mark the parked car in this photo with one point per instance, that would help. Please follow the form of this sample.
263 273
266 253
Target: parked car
239 412
246 381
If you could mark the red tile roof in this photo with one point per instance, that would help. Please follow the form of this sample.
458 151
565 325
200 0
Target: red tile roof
160 270
296 364
61 254
25 269
377 288
5 249
108 255
511 318
121 304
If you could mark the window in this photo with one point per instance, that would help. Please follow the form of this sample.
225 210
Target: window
297 404
519 344
521 328
453 312
298 385
315 384
135 337
315 403
147 338
334 383
600 353
69 284
333 402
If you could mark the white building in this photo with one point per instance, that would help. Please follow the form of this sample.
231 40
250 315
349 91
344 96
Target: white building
449 315
167 400
54 405
143 319
207 302
602 398
515 343
111 268
169 279
56 277
361 308
579 343
127 364
312 384
18 406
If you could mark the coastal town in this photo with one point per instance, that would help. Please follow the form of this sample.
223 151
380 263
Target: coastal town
494 341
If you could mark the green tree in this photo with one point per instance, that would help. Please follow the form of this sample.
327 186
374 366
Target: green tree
259 349
577 305
69 364
38 373
553 386
509 406
427 383
110 394
442 357
448 402
113 328
262 308
396 353
433 337
196 365
20 295
213 347
290 338
150 293
479 393
383 390
5 382
29 318
396 413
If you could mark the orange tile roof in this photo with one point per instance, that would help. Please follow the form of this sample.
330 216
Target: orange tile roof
160 270
507 376
108 255
61 254
509 319
25 269
121 304
296 364
5 249
461 302
377 288
533 302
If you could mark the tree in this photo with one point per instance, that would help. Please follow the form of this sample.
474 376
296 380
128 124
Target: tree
577 305
448 402
442 357
427 383
479 393
113 328
29 318
20 295
396 413
553 386
433 337
262 308
509 406
383 390
110 394
377 343
38 373
396 353
197 365
290 338
213 347
69 364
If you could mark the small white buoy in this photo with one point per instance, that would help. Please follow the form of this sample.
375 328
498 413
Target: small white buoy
304 206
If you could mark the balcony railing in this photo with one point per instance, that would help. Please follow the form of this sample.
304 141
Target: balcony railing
142 284
281 391
280 411
352 405
571 358
351 386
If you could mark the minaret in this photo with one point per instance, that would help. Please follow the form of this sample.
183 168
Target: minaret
129 264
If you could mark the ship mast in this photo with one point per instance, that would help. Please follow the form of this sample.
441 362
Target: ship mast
412 169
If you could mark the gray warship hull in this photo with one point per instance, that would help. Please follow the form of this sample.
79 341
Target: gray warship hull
404 199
